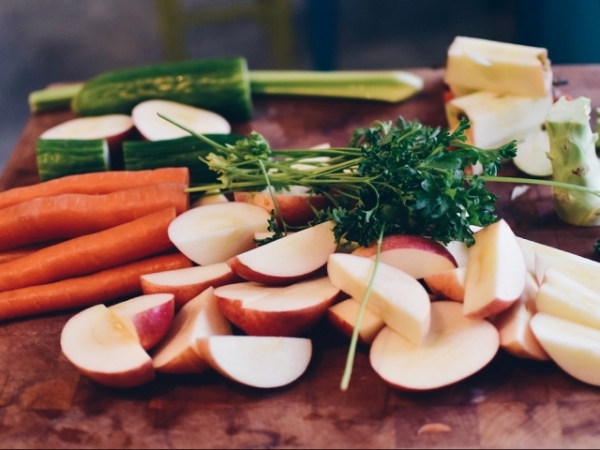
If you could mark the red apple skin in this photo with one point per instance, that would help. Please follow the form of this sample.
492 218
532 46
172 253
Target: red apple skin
153 324
295 209
132 378
344 327
249 274
184 293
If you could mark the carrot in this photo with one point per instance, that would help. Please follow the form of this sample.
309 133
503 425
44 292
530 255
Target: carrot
71 215
95 183
77 293
90 253
19 252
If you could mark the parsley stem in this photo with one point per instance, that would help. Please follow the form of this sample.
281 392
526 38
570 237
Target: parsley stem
193 133
354 341
551 183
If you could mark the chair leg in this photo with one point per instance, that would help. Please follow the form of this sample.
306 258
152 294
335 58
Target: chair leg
275 17
171 28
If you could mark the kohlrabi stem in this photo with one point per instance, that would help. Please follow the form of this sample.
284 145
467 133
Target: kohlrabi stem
516 180
361 311
203 138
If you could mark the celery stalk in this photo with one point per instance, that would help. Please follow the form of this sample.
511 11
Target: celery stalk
574 161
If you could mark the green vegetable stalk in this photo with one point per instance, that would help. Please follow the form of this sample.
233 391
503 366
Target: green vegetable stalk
574 161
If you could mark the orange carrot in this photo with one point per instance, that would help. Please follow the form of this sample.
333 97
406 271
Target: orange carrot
19 252
77 293
95 183
71 215
90 253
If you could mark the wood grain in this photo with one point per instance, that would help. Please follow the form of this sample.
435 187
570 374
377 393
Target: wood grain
514 403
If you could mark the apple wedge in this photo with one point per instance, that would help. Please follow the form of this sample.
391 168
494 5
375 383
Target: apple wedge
343 316
561 296
573 347
455 348
154 128
178 352
297 206
258 361
103 348
512 324
214 233
261 310
291 258
459 251
148 317
188 282
418 256
449 284
396 297
583 271
531 248
496 273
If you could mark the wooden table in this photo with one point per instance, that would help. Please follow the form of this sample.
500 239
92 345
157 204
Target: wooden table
511 403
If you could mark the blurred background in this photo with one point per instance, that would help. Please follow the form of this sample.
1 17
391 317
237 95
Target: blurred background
48 41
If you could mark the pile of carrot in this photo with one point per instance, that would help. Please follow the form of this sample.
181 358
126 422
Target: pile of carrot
81 240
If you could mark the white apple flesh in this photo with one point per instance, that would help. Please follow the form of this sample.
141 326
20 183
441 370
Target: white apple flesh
396 297
261 310
214 233
178 351
531 248
416 255
101 347
188 282
148 317
154 128
449 284
496 273
583 271
291 258
258 361
343 316
455 348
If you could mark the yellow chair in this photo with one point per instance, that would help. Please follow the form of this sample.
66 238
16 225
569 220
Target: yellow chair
275 17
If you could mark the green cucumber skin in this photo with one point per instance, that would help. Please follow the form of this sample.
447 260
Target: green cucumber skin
182 152
219 85
60 157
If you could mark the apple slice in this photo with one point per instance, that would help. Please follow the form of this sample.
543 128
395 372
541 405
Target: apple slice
449 284
209 198
395 297
343 316
154 128
561 296
573 347
297 206
531 248
148 317
459 251
496 272
276 311
583 271
258 361
418 256
103 348
178 352
188 282
214 233
112 127
512 324
291 258
455 348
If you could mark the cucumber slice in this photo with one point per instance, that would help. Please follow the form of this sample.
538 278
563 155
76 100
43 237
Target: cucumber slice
59 157
532 154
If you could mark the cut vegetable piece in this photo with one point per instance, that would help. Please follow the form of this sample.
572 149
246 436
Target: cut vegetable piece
291 258
502 67
460 252
396 297
449 284
531 248
178 352
573 347
584 271
574 161
417 256
261 310
188 282
113 128
455 348
154 128
214 233
258 361
532 154
496 273
60 157
497 119
209 198
148 317
97 343
343 316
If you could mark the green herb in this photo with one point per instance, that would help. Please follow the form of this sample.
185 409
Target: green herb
597 247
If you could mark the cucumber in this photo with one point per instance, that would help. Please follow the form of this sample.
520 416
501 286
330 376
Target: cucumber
181 152
60 157
220 85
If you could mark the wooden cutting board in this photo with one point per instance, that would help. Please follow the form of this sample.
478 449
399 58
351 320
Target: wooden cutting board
511 403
